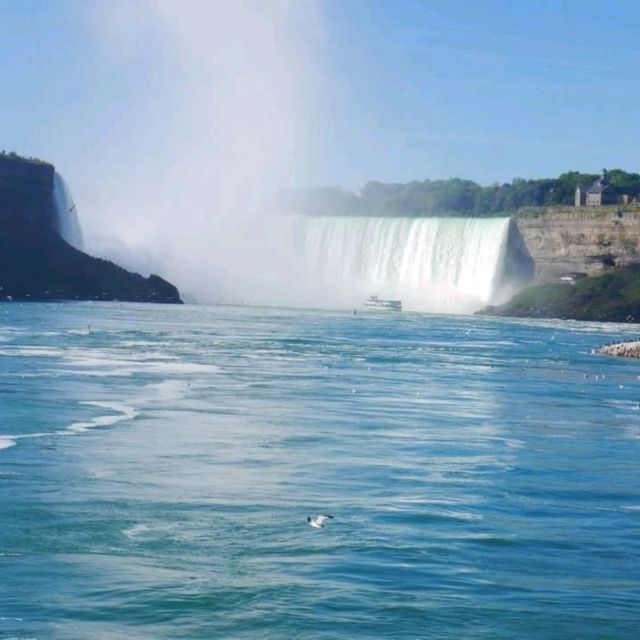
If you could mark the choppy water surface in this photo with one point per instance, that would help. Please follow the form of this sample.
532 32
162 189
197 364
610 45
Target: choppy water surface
156 473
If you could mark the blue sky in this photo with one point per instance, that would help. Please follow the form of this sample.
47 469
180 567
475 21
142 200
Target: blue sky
488 90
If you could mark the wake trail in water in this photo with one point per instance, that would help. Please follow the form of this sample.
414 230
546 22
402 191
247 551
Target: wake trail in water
122 412
6 442
119 413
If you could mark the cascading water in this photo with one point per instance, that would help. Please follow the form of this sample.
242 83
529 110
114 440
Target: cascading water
442 265
431 264
67 223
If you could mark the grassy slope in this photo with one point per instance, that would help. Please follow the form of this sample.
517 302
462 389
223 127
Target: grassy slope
613 296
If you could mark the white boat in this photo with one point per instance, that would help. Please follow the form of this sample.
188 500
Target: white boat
375 303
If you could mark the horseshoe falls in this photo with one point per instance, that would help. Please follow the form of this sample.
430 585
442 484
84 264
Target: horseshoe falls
452 265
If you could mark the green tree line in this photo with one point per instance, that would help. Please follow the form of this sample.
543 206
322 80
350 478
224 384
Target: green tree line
12 155
455 197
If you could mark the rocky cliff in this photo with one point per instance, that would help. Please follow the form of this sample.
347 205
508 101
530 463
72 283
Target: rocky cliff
588 240
37 264
603 242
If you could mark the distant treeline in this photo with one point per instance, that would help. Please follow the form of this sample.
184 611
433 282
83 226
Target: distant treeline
12 155
455 197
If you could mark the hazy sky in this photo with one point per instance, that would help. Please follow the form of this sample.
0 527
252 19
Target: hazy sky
405 89
486 89
172 120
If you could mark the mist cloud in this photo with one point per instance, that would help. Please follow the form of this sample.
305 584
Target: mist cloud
219 122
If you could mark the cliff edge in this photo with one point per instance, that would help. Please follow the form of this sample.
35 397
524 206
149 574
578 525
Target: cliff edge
589 240
37 264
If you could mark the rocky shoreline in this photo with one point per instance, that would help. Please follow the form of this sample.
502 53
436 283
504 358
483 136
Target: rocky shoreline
622 350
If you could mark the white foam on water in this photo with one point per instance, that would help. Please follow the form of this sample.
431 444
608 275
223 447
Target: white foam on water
169 389
35 352
145 344
105 373
135 531
80 332
98 362
6 442
41 374
110 362
123 412
184 367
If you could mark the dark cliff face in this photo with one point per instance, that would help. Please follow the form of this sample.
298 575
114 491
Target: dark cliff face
37 264
26 199
518 267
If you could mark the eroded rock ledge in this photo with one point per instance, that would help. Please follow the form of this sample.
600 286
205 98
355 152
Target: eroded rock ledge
590 240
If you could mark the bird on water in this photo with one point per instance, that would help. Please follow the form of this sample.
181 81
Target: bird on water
318 521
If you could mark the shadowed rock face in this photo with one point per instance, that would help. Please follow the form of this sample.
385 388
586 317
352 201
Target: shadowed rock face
37 264
519 268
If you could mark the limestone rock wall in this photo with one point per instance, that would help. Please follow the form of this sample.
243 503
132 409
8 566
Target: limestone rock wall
581 240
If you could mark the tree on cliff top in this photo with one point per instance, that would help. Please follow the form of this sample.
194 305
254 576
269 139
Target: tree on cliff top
12 155
452 197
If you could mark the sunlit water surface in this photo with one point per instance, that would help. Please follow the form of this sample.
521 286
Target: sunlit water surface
156 472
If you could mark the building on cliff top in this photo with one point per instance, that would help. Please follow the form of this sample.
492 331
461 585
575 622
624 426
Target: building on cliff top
599 194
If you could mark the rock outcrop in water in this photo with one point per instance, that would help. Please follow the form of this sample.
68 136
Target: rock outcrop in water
622 349
37 264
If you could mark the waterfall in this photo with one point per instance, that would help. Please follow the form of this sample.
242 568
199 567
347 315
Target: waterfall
67 223
430 264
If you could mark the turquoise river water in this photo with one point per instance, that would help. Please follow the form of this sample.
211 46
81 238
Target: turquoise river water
157 470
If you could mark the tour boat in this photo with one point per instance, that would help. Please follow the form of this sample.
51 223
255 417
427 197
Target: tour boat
373 302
